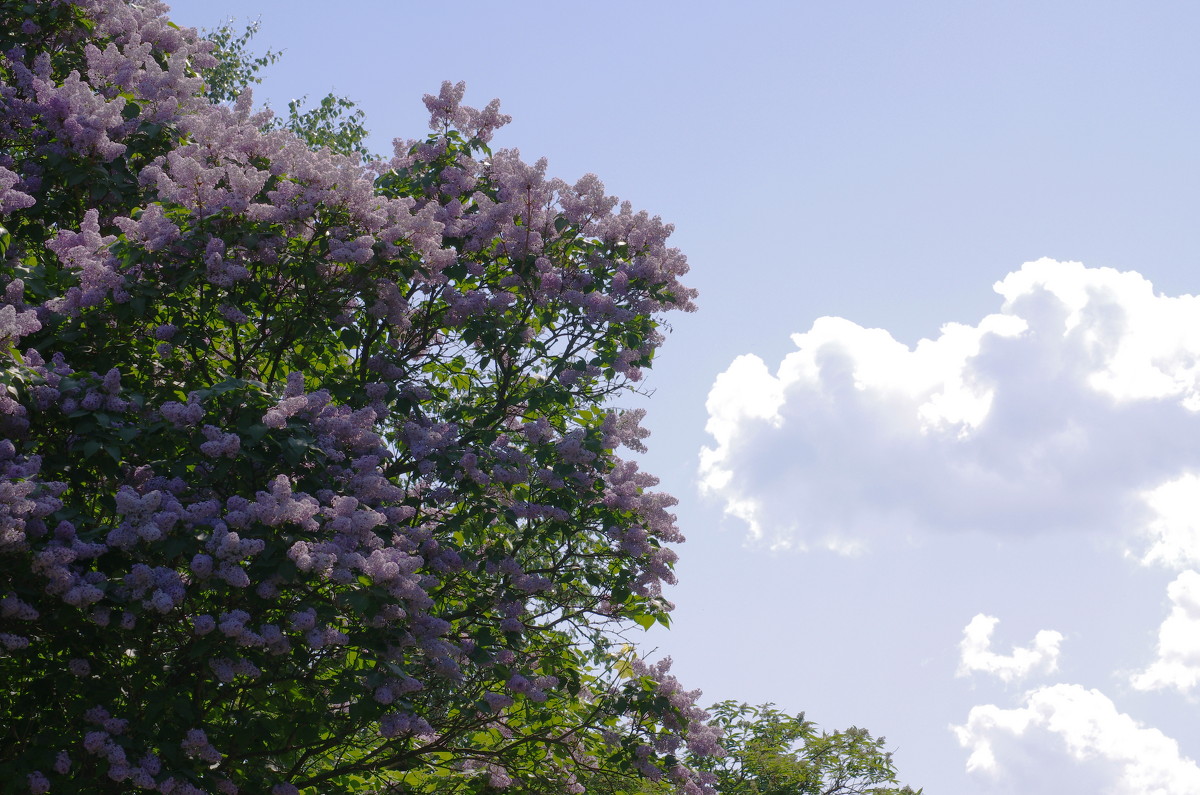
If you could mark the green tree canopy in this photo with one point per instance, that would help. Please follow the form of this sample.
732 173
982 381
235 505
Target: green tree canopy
773 753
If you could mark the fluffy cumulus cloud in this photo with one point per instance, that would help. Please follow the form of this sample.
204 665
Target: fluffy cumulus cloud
1075 406
1112 754
1070 407
1173 530
1172 537
1178 662
976 653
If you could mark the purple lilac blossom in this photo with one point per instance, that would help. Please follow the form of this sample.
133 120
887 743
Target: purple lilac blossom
38 783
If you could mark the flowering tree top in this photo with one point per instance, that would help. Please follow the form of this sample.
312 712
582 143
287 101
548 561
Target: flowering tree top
308 469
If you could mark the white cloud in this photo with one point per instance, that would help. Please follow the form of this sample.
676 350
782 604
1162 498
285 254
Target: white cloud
1065 409
1075 735
1173 532
976 653
1178 662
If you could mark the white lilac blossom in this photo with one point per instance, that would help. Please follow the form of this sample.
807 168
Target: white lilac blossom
282 433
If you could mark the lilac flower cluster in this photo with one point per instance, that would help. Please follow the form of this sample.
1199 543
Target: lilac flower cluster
14 323
196 745
88 253
10 198
160 588
701 738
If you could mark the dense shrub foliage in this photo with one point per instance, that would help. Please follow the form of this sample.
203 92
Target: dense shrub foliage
308 470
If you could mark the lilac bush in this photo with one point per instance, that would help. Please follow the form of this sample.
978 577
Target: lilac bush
308 476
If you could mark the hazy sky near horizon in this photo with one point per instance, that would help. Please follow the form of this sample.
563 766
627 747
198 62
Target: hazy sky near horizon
934 428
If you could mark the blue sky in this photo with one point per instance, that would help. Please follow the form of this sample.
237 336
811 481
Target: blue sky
888 165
